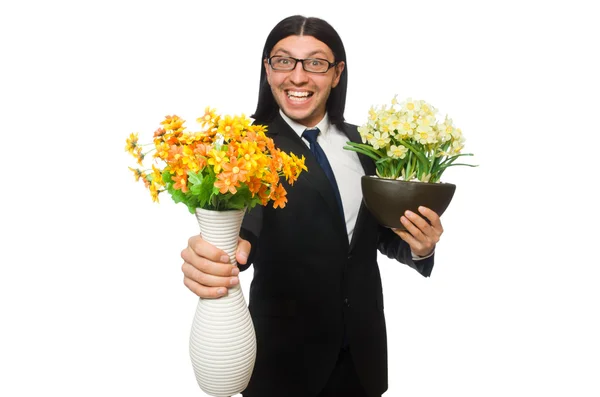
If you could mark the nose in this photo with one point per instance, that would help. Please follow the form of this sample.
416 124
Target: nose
298 75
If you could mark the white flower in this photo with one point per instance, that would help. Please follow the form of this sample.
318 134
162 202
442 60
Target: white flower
398 152
411 106
379 140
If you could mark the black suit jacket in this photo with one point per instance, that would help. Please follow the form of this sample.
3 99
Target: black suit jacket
311 285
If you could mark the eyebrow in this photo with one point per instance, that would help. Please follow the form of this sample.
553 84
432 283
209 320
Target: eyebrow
310 54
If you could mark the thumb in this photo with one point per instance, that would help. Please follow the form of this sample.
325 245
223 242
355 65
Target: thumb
243 251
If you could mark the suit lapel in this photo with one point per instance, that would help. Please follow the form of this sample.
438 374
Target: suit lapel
367 163
369 168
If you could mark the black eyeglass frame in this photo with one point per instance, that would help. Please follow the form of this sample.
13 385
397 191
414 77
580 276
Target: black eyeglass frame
296 60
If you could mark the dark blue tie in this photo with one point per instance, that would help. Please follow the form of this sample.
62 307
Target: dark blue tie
310 134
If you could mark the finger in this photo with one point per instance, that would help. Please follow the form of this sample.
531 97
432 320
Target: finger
413 236
205 249
203 291
404 235
419 222
417 247
408 221
243 250
207 279
433 217
206 265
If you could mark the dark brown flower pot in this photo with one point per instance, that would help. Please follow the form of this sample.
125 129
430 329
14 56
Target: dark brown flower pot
388 199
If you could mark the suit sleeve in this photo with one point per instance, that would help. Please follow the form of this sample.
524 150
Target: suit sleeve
394 247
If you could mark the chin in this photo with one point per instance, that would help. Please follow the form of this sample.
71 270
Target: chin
302 117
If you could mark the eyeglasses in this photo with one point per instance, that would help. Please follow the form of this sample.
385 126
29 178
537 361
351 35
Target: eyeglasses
312 65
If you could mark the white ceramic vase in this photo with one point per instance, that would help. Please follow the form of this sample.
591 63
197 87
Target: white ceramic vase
222 340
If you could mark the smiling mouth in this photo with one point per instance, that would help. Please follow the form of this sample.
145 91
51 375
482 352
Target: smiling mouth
298 96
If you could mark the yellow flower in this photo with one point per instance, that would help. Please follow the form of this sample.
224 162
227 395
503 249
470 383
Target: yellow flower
153 192
139 155
173 123
189 159
157 176
209 118
217 158
132 143
137 173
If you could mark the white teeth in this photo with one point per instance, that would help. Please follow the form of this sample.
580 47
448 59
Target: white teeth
299 94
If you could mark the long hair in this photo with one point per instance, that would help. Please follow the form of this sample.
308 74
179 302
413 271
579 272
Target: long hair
298 25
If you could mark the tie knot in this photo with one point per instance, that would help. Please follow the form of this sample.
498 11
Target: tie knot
311 135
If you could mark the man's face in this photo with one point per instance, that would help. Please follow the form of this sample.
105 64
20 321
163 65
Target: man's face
300 94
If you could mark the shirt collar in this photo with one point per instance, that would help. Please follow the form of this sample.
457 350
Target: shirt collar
323 125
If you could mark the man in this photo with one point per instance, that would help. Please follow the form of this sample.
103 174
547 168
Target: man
316 298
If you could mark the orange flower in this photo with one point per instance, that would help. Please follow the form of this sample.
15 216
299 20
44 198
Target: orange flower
175 153
237 168
263 194
254 185
279 197
258 138
180 182
225 183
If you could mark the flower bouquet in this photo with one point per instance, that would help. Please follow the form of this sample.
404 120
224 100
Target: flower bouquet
220 171
411 149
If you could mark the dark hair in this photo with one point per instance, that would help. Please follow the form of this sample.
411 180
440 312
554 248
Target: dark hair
298 25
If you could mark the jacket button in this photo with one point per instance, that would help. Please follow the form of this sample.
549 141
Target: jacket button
346 302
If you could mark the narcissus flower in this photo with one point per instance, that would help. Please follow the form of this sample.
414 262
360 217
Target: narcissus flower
407 142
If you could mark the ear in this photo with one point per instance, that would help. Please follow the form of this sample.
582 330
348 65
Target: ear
339 68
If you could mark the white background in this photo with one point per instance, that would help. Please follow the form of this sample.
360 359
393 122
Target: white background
91 295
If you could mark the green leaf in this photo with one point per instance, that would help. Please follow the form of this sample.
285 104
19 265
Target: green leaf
195 178
374 155
420 156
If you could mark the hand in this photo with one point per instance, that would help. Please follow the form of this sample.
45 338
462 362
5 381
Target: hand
206 268
420 235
